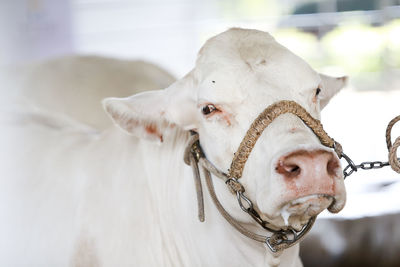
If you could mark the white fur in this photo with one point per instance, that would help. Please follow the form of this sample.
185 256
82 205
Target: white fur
77 197
74 85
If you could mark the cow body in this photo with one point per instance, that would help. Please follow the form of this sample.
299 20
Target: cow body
98 200
75 85
85 197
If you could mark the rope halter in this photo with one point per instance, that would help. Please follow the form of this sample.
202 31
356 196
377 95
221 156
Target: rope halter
194 156
280 238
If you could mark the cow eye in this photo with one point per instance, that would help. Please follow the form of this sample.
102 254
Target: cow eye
208 109
318 91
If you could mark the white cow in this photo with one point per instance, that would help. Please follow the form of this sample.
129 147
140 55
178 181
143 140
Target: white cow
124 196
75 85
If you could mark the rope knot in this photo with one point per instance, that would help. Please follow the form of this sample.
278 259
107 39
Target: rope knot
338 148
234 186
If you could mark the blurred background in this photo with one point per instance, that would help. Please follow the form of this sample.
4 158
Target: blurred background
358 38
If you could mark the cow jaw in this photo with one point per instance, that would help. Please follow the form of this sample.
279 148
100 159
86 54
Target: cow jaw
297 212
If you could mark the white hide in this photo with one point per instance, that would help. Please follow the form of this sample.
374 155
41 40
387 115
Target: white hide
74 197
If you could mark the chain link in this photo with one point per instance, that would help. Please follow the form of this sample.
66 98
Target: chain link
367 165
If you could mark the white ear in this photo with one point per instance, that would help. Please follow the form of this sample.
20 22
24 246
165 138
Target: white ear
149 114
330 87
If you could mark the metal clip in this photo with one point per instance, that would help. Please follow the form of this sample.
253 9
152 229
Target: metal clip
287 237
350 165
269 245
197 151
241 196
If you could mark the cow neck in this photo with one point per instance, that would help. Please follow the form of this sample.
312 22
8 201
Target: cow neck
277 239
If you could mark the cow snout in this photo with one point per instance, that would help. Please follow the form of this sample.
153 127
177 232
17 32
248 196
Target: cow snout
309 172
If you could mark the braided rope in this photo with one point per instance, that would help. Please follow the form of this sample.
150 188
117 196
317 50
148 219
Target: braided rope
265 119
392 148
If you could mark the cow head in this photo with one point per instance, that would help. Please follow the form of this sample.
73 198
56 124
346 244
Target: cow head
289 175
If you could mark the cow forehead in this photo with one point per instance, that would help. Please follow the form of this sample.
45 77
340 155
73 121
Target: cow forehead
241 63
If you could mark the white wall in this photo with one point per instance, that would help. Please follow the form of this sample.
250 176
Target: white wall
34 30
166 32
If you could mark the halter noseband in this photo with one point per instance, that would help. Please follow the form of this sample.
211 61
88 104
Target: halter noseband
194 156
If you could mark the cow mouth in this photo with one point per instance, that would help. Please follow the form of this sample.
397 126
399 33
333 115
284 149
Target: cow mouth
296 213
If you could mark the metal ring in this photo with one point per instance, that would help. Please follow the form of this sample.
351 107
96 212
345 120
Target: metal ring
267 241
294 232
240 196
281 237
231 179
349 161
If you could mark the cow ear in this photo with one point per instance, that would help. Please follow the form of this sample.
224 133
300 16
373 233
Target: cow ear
149 114
330 87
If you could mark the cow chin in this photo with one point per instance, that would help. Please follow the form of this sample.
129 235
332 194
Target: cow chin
297 212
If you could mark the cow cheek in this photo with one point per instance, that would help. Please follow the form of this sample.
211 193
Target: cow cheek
270 197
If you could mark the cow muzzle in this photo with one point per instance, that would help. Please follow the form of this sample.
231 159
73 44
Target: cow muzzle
318 172
306 182
307 173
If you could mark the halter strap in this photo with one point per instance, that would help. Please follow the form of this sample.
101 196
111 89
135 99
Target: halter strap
276 241
279 239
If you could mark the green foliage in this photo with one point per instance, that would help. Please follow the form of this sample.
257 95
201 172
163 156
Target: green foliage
303 44
355 47
358 48
236 9
392 33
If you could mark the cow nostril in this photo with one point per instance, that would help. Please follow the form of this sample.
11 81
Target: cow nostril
291 170
332 167
303 163
294 168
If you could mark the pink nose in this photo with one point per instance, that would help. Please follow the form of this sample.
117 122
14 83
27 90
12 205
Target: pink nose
309 172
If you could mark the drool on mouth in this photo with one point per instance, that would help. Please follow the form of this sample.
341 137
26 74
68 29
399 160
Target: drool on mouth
297 212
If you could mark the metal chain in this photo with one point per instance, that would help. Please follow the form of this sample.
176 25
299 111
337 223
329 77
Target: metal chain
367 165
